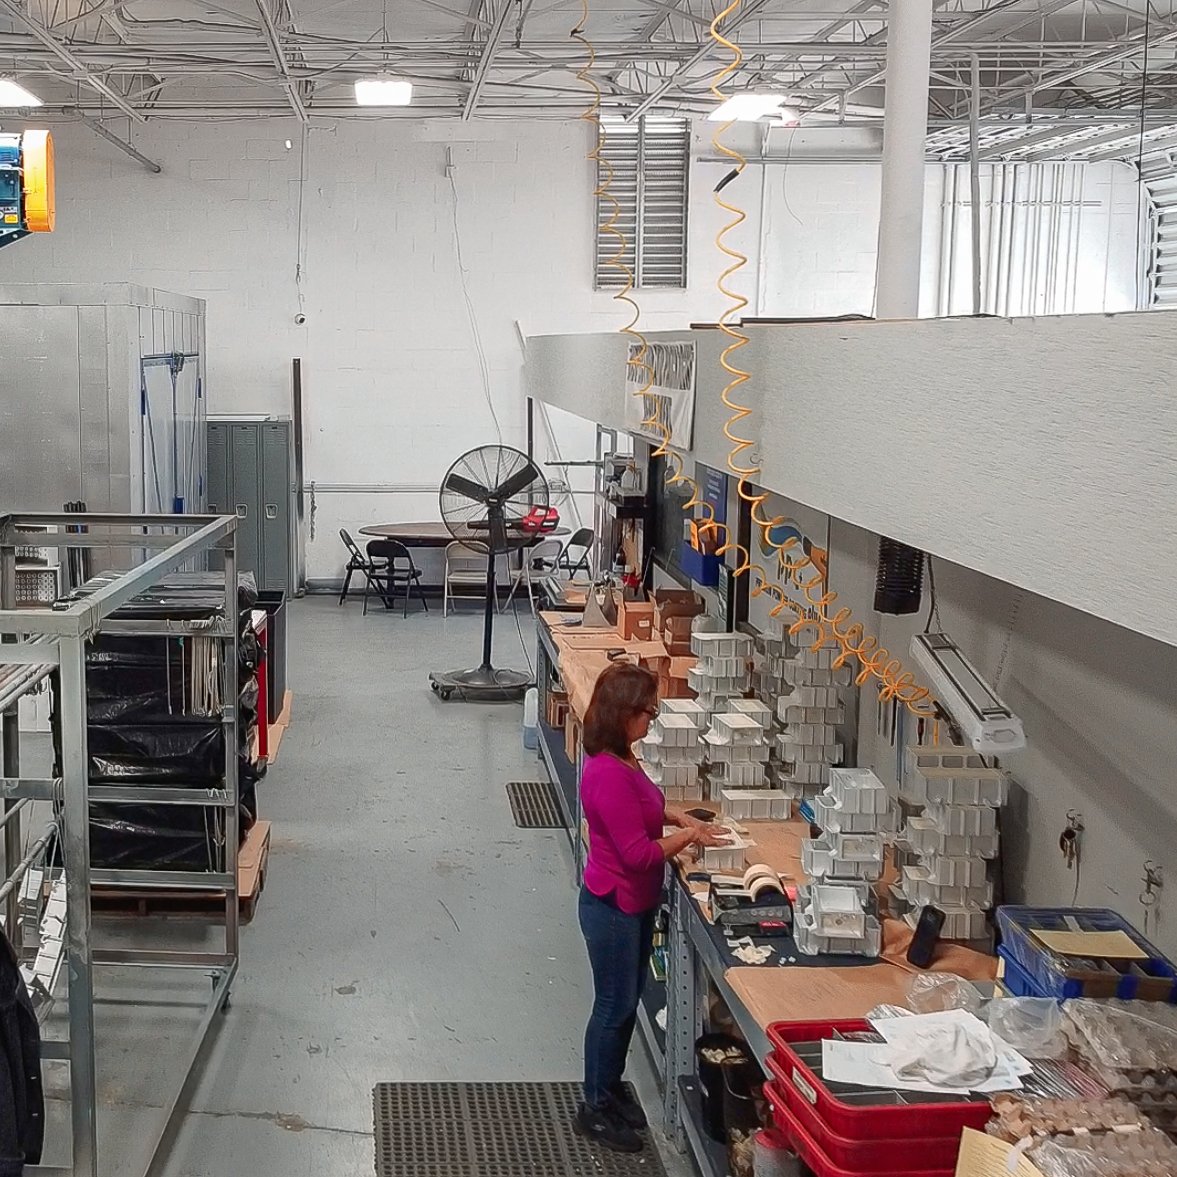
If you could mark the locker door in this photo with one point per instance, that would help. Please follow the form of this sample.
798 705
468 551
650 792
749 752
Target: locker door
245 487
218 469
275 505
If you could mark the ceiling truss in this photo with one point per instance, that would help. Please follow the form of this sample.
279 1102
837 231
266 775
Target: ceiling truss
1059 79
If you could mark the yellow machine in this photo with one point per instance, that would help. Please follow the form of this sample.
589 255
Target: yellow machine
26 185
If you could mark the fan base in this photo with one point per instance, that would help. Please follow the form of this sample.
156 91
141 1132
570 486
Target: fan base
483 684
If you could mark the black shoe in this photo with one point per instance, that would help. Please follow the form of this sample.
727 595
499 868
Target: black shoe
604 1127
628 1110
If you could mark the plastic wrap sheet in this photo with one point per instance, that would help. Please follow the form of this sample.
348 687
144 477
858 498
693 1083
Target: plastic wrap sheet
184 752
1130 1052
1033 1026
1149 1153
163 837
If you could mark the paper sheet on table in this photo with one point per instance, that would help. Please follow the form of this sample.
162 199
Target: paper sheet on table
903 1031
1116 945
867 1064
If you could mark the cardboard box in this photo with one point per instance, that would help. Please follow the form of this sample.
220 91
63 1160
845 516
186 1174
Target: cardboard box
635 620
670 603
557 708
572 728
672 681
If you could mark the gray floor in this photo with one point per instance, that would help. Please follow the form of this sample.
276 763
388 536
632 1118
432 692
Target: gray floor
408 929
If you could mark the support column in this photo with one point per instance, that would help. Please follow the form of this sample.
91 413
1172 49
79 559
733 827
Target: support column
905 130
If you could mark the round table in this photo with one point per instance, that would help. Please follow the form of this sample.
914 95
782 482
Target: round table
437 535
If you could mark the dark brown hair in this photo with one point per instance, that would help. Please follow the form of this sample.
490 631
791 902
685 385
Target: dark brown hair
622 691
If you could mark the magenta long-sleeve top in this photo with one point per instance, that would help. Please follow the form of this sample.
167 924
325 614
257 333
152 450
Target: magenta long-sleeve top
626 813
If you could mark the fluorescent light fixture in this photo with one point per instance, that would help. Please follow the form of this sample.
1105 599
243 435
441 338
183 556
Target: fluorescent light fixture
383 90
750 106
14 94
986 722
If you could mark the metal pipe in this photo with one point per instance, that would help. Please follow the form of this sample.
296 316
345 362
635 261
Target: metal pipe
1001 274
8 890
232 720
950 305
975 178
106 133
75 836
905 129
14 809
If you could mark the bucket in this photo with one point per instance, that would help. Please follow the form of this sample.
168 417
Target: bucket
727 1086
531 719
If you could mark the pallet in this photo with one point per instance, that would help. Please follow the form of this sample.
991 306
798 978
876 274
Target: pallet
279 726
252 866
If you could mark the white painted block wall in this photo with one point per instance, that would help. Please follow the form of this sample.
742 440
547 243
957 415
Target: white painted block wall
360 238
392 377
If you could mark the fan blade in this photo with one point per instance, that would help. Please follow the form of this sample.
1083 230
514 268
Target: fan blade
517 482
461 485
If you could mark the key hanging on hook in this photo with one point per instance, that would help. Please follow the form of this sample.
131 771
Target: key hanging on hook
1068 841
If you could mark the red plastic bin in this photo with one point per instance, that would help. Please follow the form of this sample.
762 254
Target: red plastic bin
855 1122
862 1156
811 1153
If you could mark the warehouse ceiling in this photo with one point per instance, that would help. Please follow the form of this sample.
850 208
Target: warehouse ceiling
1077 79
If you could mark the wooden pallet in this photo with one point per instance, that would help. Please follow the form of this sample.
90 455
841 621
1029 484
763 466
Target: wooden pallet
279 726
252 865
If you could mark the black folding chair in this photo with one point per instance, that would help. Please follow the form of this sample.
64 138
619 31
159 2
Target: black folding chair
583 539
357 562
394 568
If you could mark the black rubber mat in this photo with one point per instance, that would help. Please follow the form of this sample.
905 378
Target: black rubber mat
534 805
492 1130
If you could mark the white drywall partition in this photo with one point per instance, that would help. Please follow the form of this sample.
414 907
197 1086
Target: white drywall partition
1042 452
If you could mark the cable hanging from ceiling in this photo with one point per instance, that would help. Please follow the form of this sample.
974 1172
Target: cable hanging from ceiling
601 192
803 572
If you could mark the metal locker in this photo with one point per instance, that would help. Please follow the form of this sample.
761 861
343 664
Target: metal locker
218 496
275 507
245 495
250 471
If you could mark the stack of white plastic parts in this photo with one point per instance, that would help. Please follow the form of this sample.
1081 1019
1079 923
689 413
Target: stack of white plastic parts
833 911
953 838
737 750
810 709
740 786
671 751
723 670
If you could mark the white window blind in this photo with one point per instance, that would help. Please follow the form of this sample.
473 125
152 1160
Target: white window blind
650 160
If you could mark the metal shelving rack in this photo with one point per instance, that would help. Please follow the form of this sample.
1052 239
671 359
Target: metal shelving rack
37 642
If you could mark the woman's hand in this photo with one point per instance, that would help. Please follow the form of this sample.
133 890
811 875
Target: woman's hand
706 834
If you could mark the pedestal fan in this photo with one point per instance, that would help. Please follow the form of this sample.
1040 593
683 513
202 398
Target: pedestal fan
493 499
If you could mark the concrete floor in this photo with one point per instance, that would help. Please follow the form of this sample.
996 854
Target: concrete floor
408 929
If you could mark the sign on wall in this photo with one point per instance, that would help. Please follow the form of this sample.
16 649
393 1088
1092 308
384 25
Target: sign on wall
669 400
808 528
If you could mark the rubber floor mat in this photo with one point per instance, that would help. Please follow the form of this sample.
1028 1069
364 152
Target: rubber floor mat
534 805
492 1130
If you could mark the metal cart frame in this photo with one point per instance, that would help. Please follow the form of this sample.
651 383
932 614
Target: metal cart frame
48 639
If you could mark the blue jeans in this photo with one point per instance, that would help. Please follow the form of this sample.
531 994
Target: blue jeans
619 947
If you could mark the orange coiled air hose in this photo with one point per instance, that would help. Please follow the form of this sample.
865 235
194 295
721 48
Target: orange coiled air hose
601 191
874 660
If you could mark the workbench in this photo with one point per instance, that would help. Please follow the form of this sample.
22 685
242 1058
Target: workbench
698 957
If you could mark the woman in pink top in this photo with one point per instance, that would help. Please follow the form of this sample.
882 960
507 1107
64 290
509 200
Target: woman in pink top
626 815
